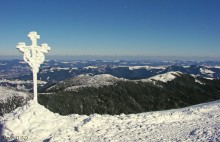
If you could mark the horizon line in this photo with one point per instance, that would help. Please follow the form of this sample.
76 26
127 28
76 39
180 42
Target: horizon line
118 57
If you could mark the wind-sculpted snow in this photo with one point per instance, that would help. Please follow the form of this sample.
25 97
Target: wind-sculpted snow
34 123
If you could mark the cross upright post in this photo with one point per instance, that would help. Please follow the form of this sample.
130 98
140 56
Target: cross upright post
34 56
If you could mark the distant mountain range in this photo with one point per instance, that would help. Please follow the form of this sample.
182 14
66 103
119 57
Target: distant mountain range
17 74
128 72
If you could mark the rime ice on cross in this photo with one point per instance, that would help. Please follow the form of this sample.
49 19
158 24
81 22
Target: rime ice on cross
34 56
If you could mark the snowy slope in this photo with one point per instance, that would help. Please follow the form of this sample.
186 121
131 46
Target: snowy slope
169 76
34 123
10 99
6 93
206 71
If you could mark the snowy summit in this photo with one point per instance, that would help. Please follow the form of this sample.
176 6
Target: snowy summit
87 80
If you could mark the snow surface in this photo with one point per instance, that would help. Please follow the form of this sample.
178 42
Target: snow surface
206 71
208 78
169 76
200 82
6 93
34 123
57 69
186 66
197 80
217 67
145 67
91 67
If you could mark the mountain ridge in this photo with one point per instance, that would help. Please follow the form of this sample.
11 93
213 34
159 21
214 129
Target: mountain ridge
181 90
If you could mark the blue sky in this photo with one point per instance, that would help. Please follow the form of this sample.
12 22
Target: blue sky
114 27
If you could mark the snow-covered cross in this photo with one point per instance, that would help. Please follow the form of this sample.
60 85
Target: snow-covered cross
34 56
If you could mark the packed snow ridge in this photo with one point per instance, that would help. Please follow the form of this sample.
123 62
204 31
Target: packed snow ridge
169 76
34 123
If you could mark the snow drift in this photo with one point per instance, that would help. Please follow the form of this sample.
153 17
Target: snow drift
35 123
